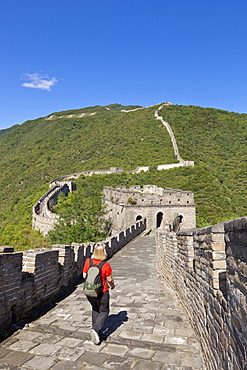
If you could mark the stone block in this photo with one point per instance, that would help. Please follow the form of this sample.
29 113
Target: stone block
217 238
215 284
218 246
45 349
93 358
118 350
191 361
30 264
146 365
130 335
16 358
115 362
41 363
4 352
69 342
66 365
22 345
141 353
171 358
30 269
219 265
218 255
152 338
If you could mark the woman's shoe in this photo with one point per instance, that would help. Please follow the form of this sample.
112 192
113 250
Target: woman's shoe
95 337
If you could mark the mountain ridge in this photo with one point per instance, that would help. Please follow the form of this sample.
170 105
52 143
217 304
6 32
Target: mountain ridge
39 150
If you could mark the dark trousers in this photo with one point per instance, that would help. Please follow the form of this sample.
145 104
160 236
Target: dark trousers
100 310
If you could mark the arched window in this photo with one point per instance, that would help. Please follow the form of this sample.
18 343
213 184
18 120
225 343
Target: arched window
159 218
138 218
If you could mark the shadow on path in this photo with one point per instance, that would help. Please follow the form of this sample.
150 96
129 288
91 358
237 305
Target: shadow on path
112 323
41 309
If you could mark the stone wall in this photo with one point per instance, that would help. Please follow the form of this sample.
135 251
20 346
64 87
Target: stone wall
112 170
125 206
175 165
208 270
159 206
43 219
29 278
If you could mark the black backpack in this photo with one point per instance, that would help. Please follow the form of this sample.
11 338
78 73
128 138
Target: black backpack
92 285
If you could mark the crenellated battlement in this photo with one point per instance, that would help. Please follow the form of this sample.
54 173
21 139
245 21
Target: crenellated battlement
148 195
30 277
207 268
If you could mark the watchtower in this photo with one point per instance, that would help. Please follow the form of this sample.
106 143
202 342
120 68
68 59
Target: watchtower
161 207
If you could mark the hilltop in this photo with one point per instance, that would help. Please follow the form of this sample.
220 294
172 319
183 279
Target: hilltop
37 151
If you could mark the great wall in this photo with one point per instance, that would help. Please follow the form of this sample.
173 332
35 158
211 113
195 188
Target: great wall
206 268
44 220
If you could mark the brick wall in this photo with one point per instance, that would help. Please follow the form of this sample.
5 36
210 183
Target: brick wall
208 270
30 277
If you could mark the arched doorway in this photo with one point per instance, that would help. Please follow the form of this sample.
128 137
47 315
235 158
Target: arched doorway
159 218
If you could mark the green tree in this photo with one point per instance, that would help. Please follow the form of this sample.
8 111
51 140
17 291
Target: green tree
81 216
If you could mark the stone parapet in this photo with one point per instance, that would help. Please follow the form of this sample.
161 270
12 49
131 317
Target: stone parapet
30 277
43 219
148 195
208 270
175 165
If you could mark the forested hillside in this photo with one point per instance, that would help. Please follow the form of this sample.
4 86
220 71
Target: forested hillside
34 153
217 139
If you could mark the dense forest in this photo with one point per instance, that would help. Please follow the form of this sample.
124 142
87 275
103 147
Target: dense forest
34 153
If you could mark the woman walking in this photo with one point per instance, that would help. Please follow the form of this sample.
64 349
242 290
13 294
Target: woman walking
100 305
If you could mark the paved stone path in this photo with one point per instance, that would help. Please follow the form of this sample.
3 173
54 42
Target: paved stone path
147 328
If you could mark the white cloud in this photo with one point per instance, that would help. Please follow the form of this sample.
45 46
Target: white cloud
39 81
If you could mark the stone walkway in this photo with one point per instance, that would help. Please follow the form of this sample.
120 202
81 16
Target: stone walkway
147 328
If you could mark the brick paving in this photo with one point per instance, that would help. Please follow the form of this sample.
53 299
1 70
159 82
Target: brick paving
147 328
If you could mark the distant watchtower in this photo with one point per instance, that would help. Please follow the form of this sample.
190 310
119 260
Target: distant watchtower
161 207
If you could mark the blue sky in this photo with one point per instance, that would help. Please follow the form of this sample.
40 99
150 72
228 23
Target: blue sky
67 54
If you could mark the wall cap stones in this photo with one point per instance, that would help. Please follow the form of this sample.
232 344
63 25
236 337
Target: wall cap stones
237 224
186 232
4 249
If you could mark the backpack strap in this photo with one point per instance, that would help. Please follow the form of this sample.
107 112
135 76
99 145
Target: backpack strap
100 265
